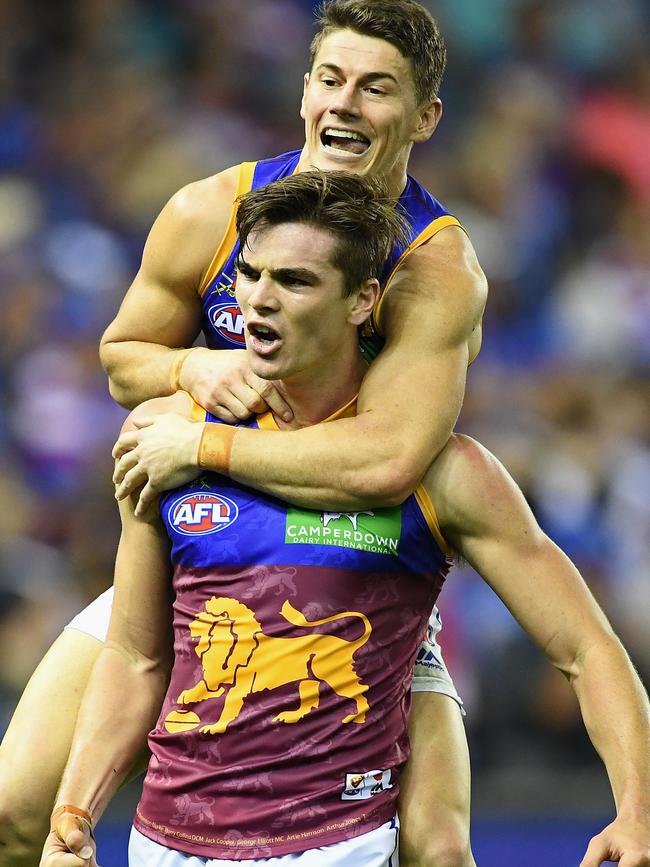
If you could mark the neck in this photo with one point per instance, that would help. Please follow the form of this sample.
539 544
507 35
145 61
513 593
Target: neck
394 180
316 395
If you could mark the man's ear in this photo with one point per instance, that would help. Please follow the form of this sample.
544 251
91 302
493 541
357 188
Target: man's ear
429 115
305 82
363 300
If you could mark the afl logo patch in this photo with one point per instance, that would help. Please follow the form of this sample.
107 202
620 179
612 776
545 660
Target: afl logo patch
200 514
228 321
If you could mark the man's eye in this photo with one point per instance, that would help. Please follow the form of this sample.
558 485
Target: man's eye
329 82
247 272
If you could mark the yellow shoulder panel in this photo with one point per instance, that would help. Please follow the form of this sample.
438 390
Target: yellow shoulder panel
428 510
244 183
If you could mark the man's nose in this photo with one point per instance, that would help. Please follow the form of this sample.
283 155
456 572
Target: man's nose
263 296
346 102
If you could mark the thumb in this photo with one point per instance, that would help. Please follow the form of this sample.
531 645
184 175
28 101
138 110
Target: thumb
75 833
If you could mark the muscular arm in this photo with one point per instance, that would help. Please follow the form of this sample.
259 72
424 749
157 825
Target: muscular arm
485 518
409 399
408 403
161 312
127 685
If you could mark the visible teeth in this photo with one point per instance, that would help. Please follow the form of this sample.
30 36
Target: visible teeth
346 133
263 329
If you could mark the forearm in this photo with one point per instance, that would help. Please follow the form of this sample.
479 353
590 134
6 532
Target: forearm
138 371
348 464
616 712
120 706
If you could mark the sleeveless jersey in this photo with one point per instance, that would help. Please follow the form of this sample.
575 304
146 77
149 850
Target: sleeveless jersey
223 323
295 633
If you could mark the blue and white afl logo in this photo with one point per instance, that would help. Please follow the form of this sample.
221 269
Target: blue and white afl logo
199 514
228 321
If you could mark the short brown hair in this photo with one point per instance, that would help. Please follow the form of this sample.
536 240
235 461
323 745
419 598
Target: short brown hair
356 210
406 24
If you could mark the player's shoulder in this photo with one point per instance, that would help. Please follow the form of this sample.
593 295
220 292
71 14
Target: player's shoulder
467 483
180 402
444 275
450 256
462 455
193 221
206 199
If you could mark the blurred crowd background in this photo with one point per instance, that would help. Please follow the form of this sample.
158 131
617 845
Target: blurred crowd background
108 106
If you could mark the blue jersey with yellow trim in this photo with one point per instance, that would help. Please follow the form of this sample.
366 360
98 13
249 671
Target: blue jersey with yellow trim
223 323
295 634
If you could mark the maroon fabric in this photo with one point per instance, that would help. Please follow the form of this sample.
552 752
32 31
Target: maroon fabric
264 786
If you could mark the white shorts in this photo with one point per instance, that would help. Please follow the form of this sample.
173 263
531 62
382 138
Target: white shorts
94 619
378 848
429 673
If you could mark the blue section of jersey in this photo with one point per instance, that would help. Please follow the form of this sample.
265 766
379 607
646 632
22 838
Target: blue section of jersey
215 521
419 208
223 323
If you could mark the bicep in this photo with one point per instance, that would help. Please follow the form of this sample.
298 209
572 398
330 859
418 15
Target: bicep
494 529
545 593
155 310
163 304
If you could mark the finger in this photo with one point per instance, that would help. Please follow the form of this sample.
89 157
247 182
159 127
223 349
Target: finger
276 402
125 463
57 854
130 483
126 442
234 406
596 853
147 495
74 832
250 397
225 415
143 422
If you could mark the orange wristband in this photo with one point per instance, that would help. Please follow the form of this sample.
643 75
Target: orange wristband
70 808
177 366
215 447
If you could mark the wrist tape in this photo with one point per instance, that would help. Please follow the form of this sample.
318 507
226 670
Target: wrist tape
215 447
177 366
75 811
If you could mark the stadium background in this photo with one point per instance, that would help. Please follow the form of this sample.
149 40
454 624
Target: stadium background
108 106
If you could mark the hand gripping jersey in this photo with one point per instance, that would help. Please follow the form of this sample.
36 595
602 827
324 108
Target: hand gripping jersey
223 323
295 632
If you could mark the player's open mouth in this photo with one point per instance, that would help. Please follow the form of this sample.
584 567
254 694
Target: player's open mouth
344 140
262 339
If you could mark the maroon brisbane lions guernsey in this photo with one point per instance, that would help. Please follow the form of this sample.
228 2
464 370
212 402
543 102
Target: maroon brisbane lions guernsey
284 725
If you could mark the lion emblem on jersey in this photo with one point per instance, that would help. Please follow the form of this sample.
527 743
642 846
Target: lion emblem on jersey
238 657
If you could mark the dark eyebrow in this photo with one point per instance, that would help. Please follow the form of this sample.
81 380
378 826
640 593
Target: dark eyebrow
304 275
371 76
